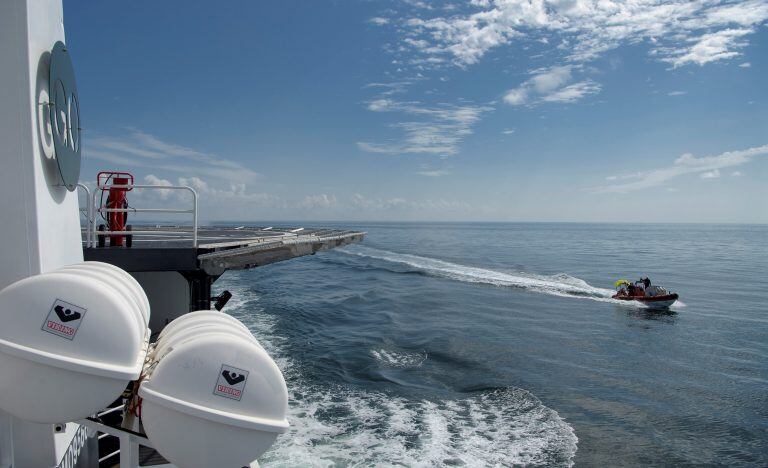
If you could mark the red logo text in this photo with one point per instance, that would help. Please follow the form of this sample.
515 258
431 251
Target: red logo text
60 328
229 390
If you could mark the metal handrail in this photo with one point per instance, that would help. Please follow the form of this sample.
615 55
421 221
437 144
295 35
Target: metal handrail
129 441
88 213
94 233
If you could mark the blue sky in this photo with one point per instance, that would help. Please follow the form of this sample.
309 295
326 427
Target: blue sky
502 110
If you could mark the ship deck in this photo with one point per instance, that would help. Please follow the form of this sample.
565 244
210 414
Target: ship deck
219 248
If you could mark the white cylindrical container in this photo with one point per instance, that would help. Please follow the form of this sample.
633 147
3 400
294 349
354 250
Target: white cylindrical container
122 277
108 281
217 399
68 347
196 329
201 321
198 316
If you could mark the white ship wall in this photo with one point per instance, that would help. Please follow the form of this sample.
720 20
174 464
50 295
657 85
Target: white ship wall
39 222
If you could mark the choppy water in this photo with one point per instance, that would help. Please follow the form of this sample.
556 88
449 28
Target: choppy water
498 344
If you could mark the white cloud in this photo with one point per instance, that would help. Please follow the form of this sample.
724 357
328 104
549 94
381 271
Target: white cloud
138 149
439 130
382 105
419 4
434 172
735 174
388 89
677 93
745 65
196 183
125 147
573 93
362 202
508 131
517 96
710 47
379 21
547 81
707 167
571 32
220 200
551 85
681 32
110 157
321 201
163 194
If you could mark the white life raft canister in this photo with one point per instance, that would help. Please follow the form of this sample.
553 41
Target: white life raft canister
122 277
199 316
69 345
214 398
110 282
194 324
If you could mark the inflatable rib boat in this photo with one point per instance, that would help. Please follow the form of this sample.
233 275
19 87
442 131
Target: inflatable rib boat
658 302
652 295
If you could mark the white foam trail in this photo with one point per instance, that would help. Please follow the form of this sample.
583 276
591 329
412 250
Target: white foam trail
395 358
336 426
556 285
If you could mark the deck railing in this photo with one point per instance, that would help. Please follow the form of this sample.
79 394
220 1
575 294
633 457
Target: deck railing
91 211
87 211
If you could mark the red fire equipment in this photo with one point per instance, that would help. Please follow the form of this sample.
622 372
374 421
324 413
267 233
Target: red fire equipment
114 184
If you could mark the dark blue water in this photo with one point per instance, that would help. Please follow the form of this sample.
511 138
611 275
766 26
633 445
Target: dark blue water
498 344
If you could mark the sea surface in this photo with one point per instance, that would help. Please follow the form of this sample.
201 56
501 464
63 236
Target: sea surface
499 344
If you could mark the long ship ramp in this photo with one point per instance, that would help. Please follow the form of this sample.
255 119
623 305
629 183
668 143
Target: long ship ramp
219 248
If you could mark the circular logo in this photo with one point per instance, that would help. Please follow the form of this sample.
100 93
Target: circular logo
65 116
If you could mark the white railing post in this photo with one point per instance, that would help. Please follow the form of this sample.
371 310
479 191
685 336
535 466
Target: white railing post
129 451
88 213
94 237
194 217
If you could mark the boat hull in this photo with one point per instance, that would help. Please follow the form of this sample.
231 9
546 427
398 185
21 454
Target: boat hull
656 302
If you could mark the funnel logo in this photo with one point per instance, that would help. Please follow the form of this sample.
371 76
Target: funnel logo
64 319
66 315
232 379
231 382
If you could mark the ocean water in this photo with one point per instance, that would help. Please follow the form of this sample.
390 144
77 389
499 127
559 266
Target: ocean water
498 344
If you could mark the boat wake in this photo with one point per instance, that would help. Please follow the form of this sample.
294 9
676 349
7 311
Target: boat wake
340 425
337 426
395 358
556 285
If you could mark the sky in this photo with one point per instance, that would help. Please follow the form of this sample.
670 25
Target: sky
407 110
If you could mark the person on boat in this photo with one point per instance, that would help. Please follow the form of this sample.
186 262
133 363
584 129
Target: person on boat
631 289
646 282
